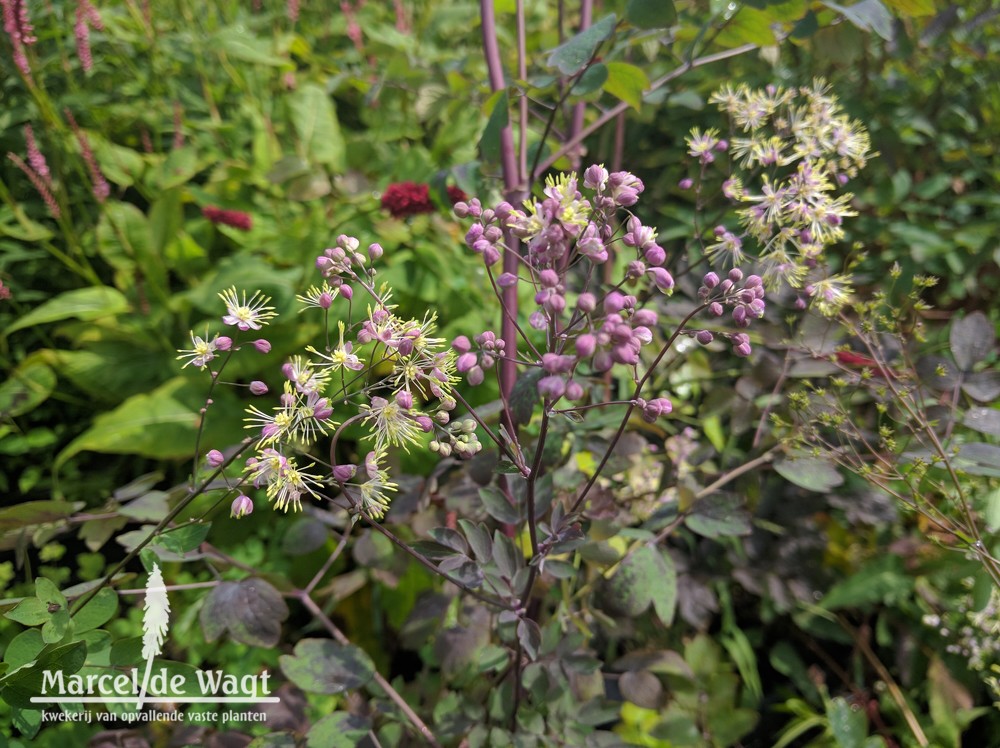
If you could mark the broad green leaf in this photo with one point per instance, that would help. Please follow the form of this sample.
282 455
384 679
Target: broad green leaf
315 120
18 686
35 513
305 535
881 580
810 473
915 8
498 507
849 726
985 420
651 14
979 458
23 648
642 578
112 370
719 515
593 79
122 166
642 688
85 304
498 107
524 396
251 610
161 424
627 82
972 338
29 385
96 612
868 15
992 512
29 612
324 666
571 56
184 539
338 730
748 26
239 44
664 589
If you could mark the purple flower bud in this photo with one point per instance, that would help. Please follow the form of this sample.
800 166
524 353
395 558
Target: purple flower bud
537 320
461 344
473 234
404 347
740 315
552 387
663 280
656 408
488 215
704 337
635 269
715 309
461 209
800 303
404 399
625 354
476 376
343 473
613 302
711 280
595 177
491 256
553 363
586 344
719 231
655 254
556 303
481 245
726 286
492 234
506 280
425 423
753 281
742 350
586 303
214 458
466 362
487 361
735 275
503 210
262 345
602 361
242 506
574 391
257 387
722 145
347 292
644 317
371 464
223 343
325 300
757 308
375 251
686 183
548 278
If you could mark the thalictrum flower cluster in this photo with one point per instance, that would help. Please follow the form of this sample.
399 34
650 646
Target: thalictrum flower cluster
790 152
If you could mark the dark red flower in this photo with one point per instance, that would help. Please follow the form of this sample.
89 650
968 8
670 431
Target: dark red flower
235 218
456 195
404 199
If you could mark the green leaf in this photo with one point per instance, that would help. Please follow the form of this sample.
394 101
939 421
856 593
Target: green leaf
498 507
236 42
86 304
98 611
881 580
305 535
719 515
810 473
848 725
29 385
35 513
651 14
868 15
571 56
24 648
251 610
641 579
591 80
184 539
979 458
18 686
664 589
498 106
338 730
971 338
324 666
524 396
29 612
748 26
642 688
315 120
627 82
915 8
177 169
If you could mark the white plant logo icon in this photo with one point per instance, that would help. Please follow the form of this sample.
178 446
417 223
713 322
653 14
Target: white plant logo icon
155 619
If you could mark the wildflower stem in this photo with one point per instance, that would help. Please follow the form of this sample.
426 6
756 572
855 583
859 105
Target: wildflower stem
382 683
489 432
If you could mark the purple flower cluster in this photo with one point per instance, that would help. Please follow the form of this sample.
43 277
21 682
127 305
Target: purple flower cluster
744 296
490 347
